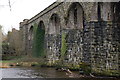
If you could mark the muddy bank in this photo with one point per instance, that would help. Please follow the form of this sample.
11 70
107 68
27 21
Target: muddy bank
13 64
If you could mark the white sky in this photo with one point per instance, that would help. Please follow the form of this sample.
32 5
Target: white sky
20 9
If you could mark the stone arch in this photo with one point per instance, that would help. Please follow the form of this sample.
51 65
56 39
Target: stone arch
117 12
72 33
54 24
40 39
75 16
116 20
99 11
41 25
30 37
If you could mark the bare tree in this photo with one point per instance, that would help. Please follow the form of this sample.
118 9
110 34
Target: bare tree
9 4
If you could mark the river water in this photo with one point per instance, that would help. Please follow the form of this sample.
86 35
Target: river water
36 72
33 72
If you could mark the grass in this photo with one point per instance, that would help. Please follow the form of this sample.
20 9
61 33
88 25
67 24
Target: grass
106 72
24 61
7 61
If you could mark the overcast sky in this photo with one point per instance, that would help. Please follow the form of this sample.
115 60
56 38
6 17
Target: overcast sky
20 9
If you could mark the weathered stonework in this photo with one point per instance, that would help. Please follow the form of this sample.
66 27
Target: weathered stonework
92 34
104 50
53 47
74 46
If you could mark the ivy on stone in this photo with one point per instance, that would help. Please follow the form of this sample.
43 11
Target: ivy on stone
39 35
64 46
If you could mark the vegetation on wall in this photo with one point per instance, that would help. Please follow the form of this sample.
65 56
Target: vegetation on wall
34 39
38 41
85 67
64 46
105 72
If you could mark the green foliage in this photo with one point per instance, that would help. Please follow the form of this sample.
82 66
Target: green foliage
110 73
106 72
34 39
5 44
85 67
7 61
64 46
39 35
10 57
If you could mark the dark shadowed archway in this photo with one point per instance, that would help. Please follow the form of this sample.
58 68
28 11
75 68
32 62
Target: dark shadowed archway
40 40
116 32
117 21
30 37
117 12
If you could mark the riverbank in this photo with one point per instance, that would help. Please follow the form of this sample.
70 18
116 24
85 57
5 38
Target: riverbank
15 63
25 61
12 63
28 61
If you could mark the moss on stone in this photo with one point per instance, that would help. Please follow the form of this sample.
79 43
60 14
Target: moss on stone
85 67
106 72
38 41
64 45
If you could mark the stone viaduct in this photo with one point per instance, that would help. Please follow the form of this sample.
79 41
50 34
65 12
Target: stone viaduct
76 32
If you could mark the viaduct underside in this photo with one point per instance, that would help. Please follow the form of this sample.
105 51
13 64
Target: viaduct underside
76 32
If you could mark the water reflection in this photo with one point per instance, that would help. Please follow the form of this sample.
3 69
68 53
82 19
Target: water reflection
34 72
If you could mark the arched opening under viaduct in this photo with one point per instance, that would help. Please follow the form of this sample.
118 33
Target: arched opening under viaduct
30 37
54 24
106 39
53 38
75 16
73 32
117 20
116 35
40 40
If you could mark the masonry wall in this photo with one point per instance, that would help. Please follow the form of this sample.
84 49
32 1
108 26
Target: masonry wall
85 30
